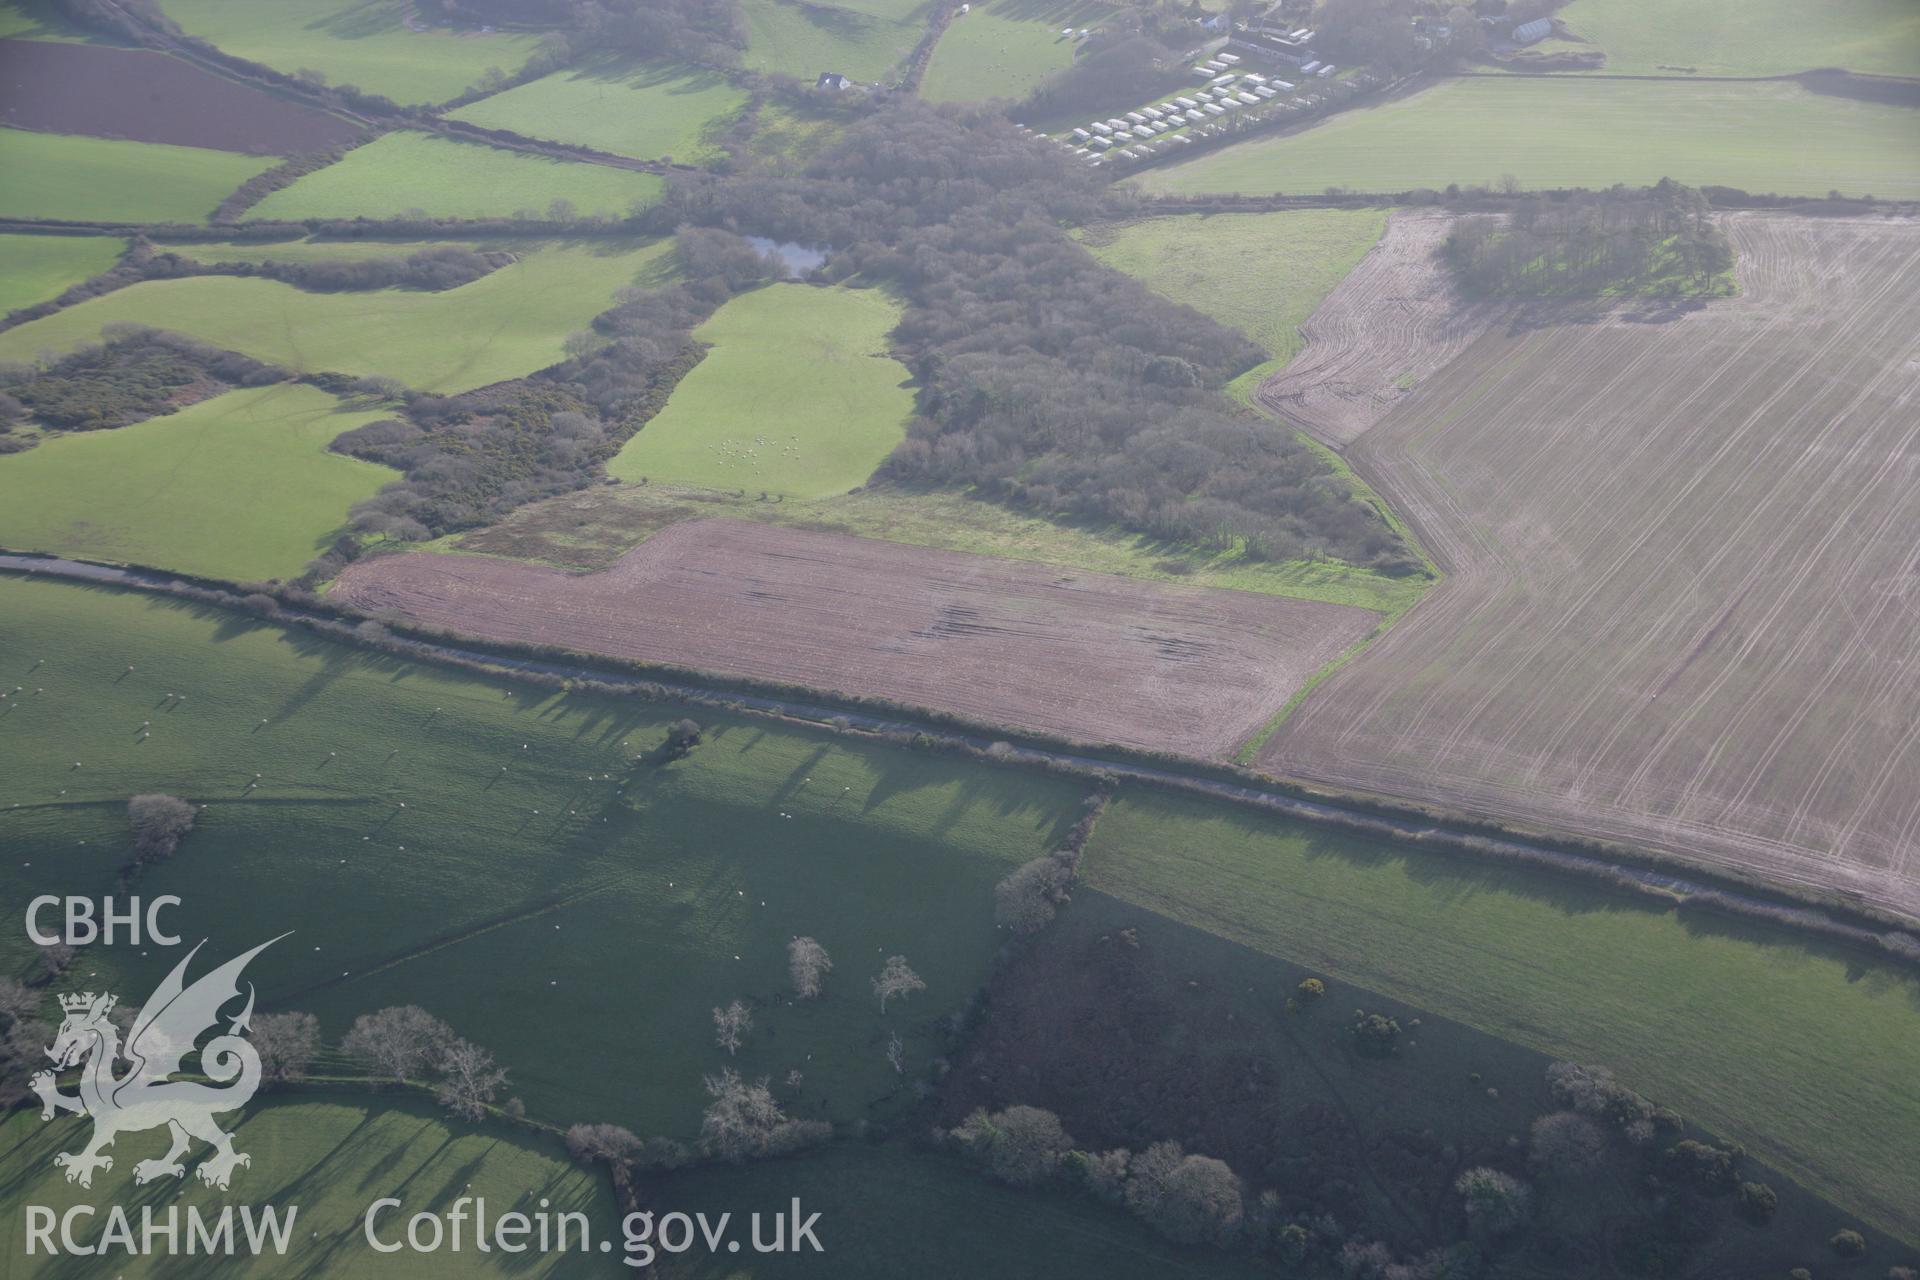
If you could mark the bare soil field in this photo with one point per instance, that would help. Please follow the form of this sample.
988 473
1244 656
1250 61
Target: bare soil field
140 96
1684 574
1097 658
1386 327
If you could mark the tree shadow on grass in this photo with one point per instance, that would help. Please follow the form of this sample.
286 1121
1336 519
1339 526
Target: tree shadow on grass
1456 876
1789 947
357 22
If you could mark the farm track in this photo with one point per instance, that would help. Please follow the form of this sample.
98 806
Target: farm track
1683 575
1169 777
1151 666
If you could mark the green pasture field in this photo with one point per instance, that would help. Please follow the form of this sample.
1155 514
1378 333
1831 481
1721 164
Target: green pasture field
358 42
331 1154
592 528
797 396
643 110
1554 132
504 325
1801 1051
36 268
399 173
805 40
1750 37
1260 273
786 140
55 175
518 862
887 1213
1005 48
27 21
240 486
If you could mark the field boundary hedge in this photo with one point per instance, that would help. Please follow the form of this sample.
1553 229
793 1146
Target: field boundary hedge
1650 876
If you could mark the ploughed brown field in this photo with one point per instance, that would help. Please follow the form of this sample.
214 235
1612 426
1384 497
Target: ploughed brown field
1096 658
1683 548
141 96
1390 324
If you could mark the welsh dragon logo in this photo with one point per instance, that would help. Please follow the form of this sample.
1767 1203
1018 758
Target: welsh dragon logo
146 1096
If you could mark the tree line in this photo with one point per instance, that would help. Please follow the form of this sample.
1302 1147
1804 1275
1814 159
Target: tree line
1046 379
1661 239
469 459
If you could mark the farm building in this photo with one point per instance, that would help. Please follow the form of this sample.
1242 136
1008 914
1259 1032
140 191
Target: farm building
1533 32
1271 47
832 81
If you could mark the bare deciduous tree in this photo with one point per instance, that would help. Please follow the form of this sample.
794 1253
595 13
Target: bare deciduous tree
605 1142
808 965
1189 1198
1566 1142
398 1042
471 1079
731 1025
743 1120
896 1055
286 1043
896 979
741 1116
1021 1146
1026 900
159 822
